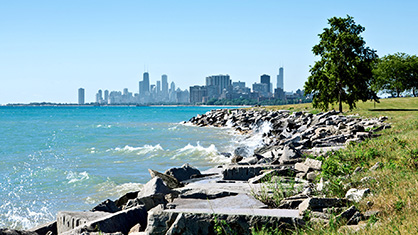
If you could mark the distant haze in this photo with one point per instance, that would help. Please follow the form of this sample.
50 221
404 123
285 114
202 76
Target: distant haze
49 49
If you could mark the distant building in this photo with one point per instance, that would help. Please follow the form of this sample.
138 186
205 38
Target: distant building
280 77
145 86
183 97
265 79
279 94
238 85
106 96
164 86
261 89
99 97
220 81
81 95
158 87
197 94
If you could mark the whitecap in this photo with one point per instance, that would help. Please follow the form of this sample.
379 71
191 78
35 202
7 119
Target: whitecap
73 177
139 150
209 153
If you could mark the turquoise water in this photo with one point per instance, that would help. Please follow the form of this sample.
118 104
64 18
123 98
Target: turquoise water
72 158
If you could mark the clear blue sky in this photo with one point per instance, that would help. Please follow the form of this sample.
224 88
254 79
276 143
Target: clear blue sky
49 49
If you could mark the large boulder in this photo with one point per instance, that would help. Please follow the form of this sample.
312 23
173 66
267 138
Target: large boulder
125 198
68 220
169 180
44 229
121 221
318 204
289 155
106 206
183 173
313 164
6 231
155 186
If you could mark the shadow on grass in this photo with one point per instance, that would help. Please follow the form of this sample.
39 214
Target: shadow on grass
393 110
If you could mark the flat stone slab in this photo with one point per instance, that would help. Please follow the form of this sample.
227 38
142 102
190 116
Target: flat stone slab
240 201
201 221
221 185
282 213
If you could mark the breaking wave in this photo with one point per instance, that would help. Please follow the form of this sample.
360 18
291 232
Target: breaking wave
139 150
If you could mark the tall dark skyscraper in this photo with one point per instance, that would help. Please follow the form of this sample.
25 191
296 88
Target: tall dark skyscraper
145 85
280 79
266 80
164 85
81 95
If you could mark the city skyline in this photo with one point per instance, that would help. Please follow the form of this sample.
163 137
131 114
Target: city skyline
215 87
50 49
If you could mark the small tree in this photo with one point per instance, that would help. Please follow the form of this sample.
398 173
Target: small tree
413 81
344 72
392 74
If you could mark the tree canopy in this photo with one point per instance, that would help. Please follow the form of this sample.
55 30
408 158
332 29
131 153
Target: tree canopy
344 72
396 73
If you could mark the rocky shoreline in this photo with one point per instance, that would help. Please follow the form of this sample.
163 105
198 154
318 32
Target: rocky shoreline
275 185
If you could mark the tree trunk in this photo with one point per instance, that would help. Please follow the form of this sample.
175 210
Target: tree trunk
340 107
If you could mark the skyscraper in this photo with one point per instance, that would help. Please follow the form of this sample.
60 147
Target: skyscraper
280 81
164 84
106 96
222 81
99 97
145 84
81 93
158 87
265 79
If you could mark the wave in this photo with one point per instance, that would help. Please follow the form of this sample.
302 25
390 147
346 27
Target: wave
255 139
74 177
139 150
103 126
23 217
211 153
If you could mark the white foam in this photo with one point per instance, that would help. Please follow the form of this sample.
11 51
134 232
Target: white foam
255 139
74 177
20 218
140 150
198 151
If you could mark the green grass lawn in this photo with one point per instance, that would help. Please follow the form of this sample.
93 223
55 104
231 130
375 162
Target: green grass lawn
394 189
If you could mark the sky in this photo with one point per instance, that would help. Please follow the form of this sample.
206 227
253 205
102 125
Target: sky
49 49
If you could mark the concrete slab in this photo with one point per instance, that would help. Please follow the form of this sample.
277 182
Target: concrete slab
282 213
240 201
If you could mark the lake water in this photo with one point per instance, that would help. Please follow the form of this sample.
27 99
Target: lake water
72 158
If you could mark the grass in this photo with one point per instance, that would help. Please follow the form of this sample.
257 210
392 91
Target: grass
394 187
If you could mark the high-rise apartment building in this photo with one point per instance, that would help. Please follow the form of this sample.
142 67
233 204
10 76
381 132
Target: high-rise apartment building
265 79
81 95
99 97
106 96
222 81
280 81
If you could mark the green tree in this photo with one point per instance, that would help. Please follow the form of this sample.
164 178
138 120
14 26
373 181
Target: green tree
344 72
413 69
394 74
